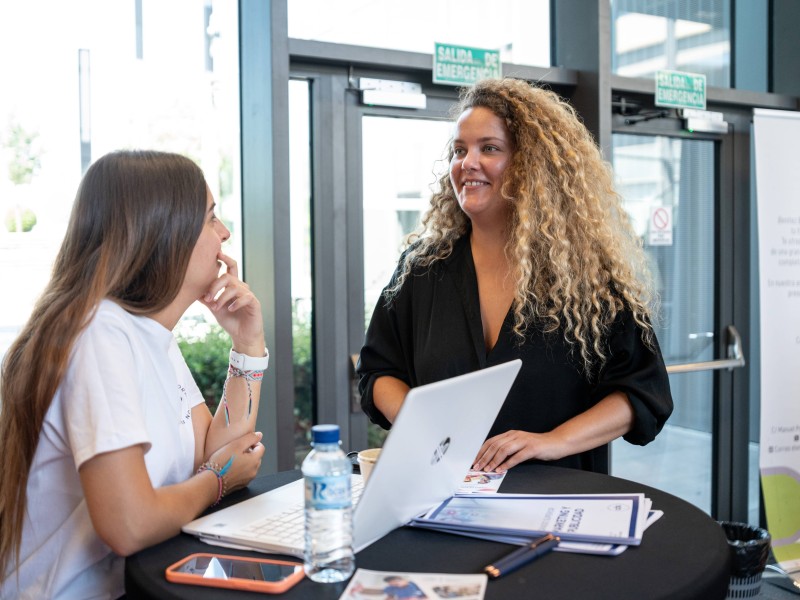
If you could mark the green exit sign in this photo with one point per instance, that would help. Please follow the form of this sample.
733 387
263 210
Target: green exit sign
680 90
462 65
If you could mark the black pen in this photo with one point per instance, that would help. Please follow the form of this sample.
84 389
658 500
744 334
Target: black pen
522 556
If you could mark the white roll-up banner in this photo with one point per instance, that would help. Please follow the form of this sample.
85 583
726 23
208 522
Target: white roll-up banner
777 164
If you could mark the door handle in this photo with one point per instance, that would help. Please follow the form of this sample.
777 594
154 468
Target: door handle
702 334
734 360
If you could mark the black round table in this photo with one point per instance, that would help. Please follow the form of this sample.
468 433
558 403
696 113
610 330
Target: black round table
683 555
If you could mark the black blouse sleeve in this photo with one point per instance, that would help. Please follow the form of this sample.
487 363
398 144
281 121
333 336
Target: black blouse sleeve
638 371
387 348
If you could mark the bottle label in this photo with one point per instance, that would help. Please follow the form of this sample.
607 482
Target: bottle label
328 492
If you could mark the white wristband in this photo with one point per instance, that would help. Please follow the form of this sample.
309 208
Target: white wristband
243 362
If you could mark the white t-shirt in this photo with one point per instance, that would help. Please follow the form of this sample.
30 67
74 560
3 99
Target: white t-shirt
126 384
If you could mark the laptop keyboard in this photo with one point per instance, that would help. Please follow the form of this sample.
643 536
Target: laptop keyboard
288 527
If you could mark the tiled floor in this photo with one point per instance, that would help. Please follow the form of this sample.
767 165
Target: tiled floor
679 462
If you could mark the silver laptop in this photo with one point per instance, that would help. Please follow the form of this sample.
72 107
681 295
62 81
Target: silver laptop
431 446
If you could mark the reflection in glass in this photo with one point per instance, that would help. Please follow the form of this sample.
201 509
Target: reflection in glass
520 29
653 173
686 35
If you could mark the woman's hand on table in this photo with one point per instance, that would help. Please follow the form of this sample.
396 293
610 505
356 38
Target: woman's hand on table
501 452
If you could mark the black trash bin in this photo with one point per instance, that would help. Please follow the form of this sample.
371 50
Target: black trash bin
749 547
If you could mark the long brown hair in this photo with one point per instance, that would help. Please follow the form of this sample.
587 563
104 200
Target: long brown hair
134 224
577 259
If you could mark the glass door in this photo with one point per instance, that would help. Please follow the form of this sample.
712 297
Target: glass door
671 202
669 188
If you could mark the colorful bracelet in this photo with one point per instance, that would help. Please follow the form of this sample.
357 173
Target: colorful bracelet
220 473
249 376
249 367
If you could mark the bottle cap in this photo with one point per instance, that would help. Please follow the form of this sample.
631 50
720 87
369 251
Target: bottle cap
325 434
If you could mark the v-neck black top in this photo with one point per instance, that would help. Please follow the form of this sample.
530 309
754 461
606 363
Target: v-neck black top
432 330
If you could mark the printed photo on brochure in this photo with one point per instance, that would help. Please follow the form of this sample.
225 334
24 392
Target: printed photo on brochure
393 585
481 482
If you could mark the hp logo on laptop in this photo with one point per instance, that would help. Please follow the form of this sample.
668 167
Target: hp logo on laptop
438 454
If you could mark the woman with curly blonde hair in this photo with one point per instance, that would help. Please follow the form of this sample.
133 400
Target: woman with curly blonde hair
525 252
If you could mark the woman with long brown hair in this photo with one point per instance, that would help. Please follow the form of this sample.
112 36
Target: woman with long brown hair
107 444
525 252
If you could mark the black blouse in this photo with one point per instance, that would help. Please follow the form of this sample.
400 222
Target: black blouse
431 330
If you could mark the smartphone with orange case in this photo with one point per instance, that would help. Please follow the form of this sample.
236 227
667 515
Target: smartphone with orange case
236 572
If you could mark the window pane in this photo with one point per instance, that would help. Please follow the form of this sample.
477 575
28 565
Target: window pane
302 291
397 190
86 77
520 29
691 35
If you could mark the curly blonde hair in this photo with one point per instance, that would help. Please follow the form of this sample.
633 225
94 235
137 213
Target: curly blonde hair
577 260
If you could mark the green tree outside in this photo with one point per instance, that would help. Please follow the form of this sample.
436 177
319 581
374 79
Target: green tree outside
25 162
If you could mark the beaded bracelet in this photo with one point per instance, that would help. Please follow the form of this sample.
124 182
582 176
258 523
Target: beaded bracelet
220 473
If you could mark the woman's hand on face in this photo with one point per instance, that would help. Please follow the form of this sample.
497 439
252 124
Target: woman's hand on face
247 452
501 452
236 309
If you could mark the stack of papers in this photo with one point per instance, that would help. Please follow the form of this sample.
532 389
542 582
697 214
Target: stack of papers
586 523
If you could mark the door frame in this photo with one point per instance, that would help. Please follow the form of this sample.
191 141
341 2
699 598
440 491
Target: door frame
337 199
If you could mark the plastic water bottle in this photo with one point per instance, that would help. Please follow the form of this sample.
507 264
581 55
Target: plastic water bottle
329 524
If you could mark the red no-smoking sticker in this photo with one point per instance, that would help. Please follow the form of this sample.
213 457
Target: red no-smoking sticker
660 229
